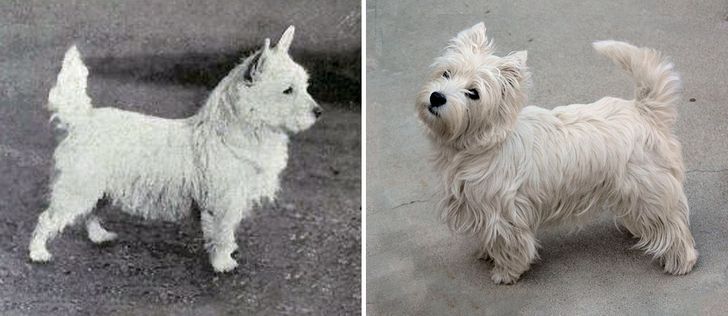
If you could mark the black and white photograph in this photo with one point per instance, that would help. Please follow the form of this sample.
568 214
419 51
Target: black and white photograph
180 157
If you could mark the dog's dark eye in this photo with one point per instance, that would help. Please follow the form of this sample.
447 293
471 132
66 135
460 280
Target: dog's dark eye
288 91
446 75
473 94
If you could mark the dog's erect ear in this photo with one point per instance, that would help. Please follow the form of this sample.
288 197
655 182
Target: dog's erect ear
266 46
255 69
513 69
474 39
517 58
285 42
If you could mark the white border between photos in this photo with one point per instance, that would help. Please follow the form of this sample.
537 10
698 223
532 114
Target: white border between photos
363 107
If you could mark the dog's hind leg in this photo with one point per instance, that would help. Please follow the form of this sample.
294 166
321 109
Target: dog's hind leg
658 214
97 233
68 202
218 229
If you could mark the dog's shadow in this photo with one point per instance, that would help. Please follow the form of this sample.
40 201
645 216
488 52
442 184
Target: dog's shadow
598 250
150 239
335 77
600 245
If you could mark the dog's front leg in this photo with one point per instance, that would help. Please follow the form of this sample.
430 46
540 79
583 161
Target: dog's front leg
218 229
512 252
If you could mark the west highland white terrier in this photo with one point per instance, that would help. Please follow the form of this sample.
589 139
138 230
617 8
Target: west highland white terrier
227 158
508 170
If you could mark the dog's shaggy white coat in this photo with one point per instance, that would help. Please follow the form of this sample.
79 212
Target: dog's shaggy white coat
226 158
508 170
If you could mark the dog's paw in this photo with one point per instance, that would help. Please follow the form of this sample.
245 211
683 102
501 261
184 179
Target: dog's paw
224 263
502 276
102 237
40 255
680 263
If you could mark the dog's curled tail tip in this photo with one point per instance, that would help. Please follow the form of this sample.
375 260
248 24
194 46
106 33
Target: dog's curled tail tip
658 84
72 54
602 46
69 93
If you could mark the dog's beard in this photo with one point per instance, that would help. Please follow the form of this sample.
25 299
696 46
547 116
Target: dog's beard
444 122
300 122
448 124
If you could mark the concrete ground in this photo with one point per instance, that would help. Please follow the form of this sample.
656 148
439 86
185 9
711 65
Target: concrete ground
416 267
300 255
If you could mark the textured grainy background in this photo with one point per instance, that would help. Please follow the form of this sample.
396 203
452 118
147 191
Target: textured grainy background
299 256
414 266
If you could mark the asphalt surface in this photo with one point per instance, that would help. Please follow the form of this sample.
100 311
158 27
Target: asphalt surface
416 267
300 255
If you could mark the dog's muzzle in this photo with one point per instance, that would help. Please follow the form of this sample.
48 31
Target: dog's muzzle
317 111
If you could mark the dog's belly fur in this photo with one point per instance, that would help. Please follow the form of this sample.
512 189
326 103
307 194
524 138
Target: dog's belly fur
546 174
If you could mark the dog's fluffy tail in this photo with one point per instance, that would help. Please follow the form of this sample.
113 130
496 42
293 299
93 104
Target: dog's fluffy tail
68 97
658 85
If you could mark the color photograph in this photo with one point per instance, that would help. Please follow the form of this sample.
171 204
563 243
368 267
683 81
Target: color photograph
546 158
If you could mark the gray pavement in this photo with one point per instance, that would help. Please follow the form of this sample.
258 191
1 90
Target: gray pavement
300 255
415 266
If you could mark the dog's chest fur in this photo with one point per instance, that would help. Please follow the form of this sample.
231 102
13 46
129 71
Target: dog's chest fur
242 168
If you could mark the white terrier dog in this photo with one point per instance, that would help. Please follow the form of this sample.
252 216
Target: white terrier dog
508 170
227 157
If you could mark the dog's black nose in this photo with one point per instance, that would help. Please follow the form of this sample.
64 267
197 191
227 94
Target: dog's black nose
317 111
437 99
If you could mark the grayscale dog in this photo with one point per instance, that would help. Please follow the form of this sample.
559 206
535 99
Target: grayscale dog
227 157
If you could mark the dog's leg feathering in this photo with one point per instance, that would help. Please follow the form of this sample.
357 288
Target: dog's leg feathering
218 229
512 252
657 213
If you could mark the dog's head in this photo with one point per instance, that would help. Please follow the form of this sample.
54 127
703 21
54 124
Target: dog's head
270 89
473 96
